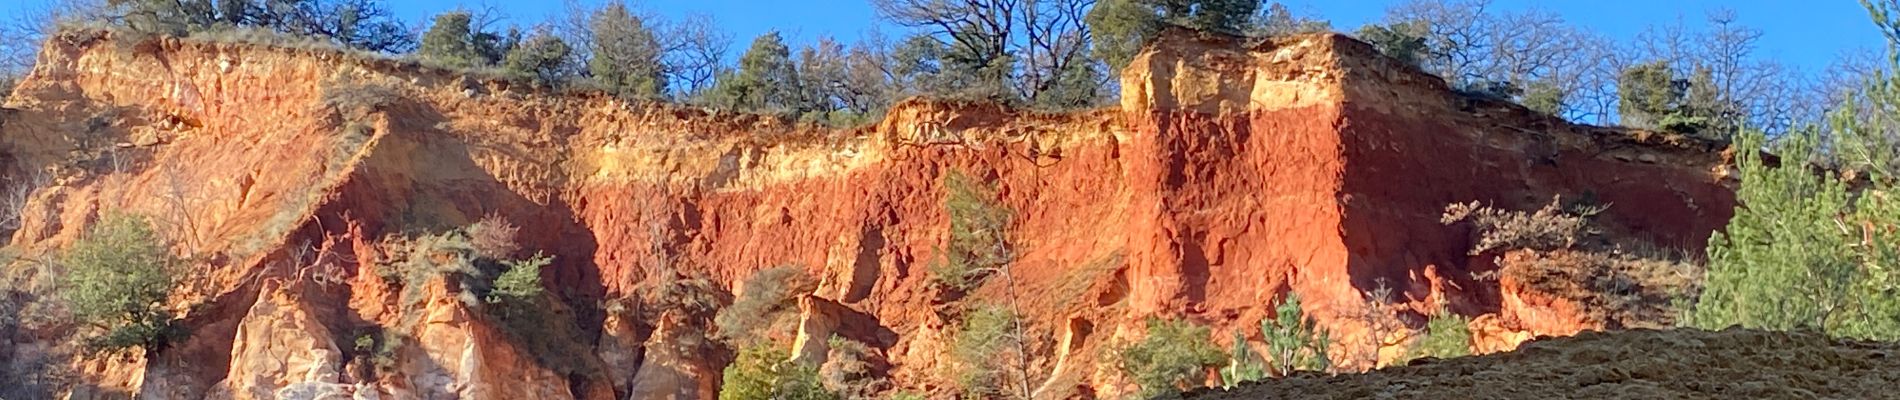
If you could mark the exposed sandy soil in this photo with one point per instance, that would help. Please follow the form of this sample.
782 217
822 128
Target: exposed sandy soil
1643 364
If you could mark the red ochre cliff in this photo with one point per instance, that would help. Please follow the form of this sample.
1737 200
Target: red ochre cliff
1227 177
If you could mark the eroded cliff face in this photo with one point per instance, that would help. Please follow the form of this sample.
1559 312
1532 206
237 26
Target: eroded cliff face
1228 177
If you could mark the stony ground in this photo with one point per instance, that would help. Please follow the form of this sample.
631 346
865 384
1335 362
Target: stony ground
1644 364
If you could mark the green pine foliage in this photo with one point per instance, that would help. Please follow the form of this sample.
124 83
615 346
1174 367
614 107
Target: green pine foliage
626 55
979 238
521 282
1294 341
450 41
766 82
118 277
542 58
1123 27
1174 356
1447 335
1243 365
1804 250
763 372
1404 41
985 345
1807 248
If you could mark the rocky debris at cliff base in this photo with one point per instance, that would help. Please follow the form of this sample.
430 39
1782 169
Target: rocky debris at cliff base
1640 364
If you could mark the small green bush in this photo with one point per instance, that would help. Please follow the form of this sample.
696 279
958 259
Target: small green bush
540 58
1447 335
1296 342
118 278
520 284
1243 364
762 372
1175 355
986 347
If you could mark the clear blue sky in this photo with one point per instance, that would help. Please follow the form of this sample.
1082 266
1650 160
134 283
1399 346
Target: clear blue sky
1808 34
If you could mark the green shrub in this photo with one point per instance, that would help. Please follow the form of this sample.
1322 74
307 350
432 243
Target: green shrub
768 306
979 238
118 278
986 349
520 284
762 372
455 42
541 57
1294 341
1447 335
1175 355
1803 249
1243 365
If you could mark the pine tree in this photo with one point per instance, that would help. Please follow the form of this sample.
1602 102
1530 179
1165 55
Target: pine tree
766 82
1806 248
1122 27
542 57
626 54
453 41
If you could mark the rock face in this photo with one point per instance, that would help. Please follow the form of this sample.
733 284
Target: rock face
1228 177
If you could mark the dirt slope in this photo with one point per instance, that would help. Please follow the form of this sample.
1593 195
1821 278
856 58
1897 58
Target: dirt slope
1642 364
1229 176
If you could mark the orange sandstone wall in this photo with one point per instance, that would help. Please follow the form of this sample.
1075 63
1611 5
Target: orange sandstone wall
1227 177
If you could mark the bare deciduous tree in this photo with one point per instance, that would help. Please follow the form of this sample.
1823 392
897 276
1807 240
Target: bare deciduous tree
1046 38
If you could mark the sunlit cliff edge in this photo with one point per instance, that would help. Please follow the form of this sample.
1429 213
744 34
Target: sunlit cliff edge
1228 176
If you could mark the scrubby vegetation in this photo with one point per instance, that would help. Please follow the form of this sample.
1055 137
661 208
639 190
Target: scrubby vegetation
767 307
1446 336
1175 355
979 237
763 372
1812 250
1549 228
1559 250
479 260
1294 341
118 278
988 354
849 370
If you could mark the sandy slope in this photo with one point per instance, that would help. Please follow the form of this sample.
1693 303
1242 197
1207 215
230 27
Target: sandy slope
1730 364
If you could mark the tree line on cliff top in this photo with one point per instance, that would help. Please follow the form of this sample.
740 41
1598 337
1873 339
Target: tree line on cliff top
1050 54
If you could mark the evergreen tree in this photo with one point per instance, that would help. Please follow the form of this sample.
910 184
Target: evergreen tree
118 278
1122 27
917 64
1404 41
1648 93
766 81
626 54
1806 248
1078 86
455 42
542 57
